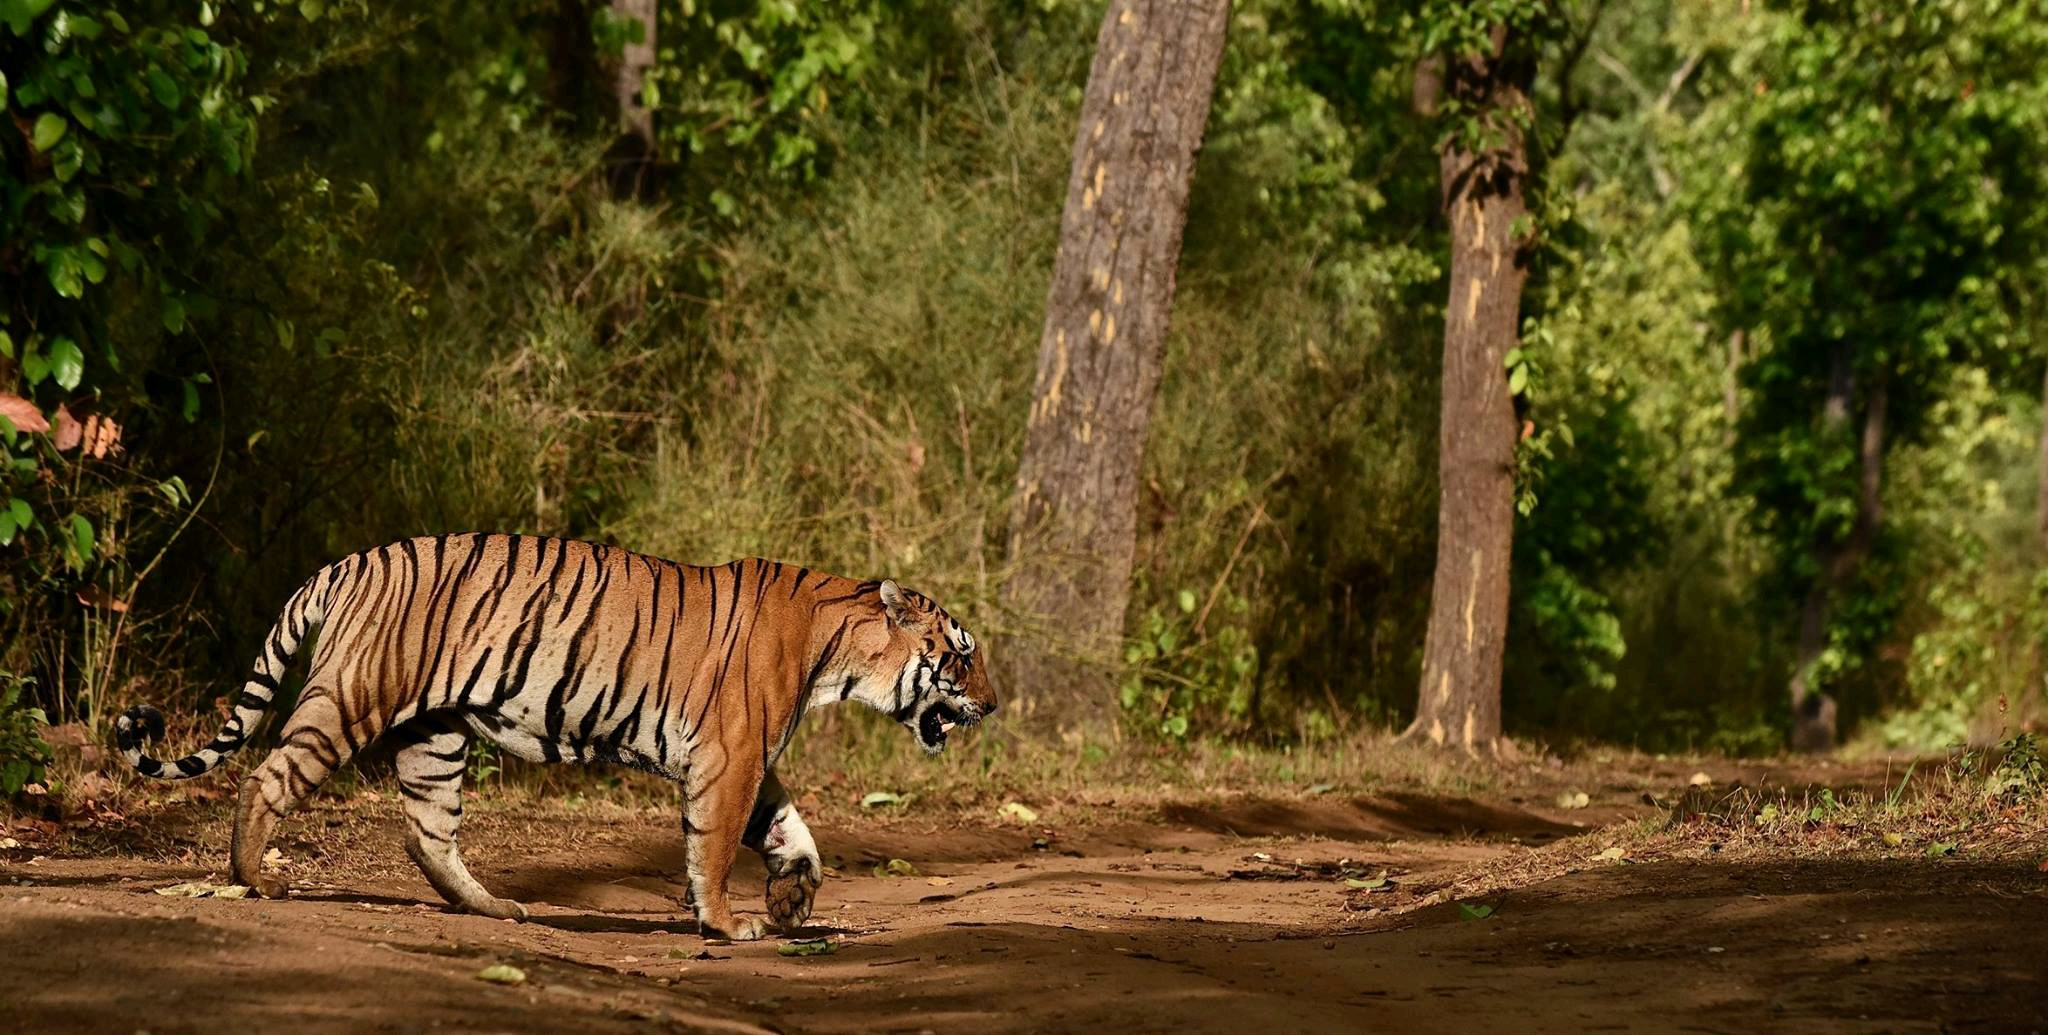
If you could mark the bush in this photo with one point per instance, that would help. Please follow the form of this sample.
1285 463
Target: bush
23 754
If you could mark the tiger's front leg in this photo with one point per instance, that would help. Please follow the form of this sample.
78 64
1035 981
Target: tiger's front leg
784 843
714 818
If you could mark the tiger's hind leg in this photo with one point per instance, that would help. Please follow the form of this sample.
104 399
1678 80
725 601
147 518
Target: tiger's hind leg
313 748
779 835
431 758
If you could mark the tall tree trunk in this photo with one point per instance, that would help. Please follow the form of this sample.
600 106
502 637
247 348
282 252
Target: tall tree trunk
1459 700
1838 561
1073 522
1731 383
2041 500
632 155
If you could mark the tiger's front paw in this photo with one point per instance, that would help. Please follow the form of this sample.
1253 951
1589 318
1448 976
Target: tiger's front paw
736 929
791 892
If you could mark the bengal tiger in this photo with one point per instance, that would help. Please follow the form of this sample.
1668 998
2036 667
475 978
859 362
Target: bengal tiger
559 650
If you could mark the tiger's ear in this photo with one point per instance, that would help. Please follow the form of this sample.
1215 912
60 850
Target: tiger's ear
895 604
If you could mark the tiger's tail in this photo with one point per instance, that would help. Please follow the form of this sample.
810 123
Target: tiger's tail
143 724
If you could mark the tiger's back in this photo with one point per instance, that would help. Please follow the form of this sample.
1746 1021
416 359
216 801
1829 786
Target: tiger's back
566 650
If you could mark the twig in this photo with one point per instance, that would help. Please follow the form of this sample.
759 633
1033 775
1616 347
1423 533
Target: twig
135 586
1216 590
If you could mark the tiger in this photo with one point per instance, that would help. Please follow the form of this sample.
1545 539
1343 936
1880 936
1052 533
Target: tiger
559 650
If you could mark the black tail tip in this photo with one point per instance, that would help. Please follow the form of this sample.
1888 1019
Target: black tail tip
137 726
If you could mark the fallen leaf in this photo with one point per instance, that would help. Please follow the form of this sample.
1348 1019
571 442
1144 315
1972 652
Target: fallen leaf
938 882
95 787
813 947
1321 789
1893 840
8 842
274 857
897 868
681 954
201 889
874 799
1617 854
1374 884
1574 800
502 974
1018 811
94 596
1937 849
2044 866
24 415
1701 779
1468 911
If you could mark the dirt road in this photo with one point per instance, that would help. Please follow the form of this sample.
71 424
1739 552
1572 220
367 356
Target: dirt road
1174 924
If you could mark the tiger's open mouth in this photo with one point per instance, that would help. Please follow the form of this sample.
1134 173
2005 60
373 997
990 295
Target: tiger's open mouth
938 721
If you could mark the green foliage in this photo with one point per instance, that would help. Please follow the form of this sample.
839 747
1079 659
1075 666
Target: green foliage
2021 774
747 82
420 310
23 754
1187 672
1865 184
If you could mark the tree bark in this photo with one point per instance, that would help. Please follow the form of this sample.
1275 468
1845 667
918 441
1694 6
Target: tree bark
1073 521
632 155
1839 561
2041 500
1459 701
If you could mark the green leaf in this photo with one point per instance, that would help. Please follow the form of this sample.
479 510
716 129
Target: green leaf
1512 359
173 315
502 974
1938 849
897 868
6 345
1018 811
1187 601
82 538
67 363
190 407
812 947
875 799
1518 379
162 87
3 89
1469 911
50 127
18 509
35 367
20 14
7 530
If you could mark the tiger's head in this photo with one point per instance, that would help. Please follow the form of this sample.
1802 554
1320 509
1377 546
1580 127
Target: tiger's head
942 682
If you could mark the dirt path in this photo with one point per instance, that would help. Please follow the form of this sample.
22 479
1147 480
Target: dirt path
1175 925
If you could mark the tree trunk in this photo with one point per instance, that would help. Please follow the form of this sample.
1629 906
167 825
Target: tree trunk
1073 522
1731 384
1838 562
1459 700
2041 501
632 155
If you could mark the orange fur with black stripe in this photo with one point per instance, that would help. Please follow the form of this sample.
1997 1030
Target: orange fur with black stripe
568 651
